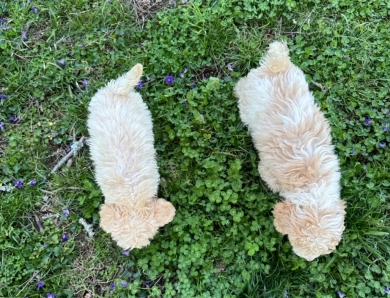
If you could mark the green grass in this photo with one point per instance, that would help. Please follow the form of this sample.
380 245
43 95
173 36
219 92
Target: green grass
222 242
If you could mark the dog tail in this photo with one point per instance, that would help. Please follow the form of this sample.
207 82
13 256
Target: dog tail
124 84
276 60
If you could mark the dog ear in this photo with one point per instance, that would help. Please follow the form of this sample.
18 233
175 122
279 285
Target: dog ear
108 214
282 213
164 212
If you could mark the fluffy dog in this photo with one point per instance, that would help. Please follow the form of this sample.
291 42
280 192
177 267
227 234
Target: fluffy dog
122 150
297 157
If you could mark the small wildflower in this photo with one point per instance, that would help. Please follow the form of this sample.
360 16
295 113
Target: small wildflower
181 75
385 128
123 284
61 63
112 287
353 151
3 96
50 295
368 121
24 35
126 252
34 9
2 21
341 295
2 124
68 148
387 290
193 86
285 293
66 212
33 182
230 66
382 145
18 184
184 103
169 80
65 238
84 83
185 70
31 1
148 283
40 284
140 84
14 119
43 246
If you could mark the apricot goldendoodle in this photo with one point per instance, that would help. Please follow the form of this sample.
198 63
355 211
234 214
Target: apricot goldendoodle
297 157
122 149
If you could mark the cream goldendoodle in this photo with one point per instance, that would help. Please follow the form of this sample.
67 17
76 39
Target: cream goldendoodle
121 144
297 157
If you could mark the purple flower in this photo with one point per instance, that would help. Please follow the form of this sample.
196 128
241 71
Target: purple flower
112 287
230 66
126 252
169 80
184 103
2 125
181 75
31 1
2 21
14 119
50 295
368 121
385 128
193 86
140 84
40 284
66 212
123 284
65 238
84 83
18 184
24 35
387 290
33 182
61 63
43 246
382 145
353 151
3 96
341 295
185 70
34 9
148 283
68 148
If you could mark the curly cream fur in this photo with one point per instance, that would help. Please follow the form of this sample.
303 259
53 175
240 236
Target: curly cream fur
296 153
121 144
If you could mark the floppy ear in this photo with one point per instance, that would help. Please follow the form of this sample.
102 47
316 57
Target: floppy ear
282 213
109 215
164 212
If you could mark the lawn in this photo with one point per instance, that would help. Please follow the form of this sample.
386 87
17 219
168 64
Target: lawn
54 55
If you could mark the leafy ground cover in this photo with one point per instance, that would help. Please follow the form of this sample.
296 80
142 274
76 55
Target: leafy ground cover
54 55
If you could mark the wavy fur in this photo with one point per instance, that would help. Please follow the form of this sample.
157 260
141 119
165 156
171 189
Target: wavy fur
296 153
122 149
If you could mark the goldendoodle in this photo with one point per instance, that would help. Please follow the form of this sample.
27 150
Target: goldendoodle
121 143
297 157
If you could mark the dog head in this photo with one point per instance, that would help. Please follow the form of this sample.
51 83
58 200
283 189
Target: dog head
312 230
133 227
